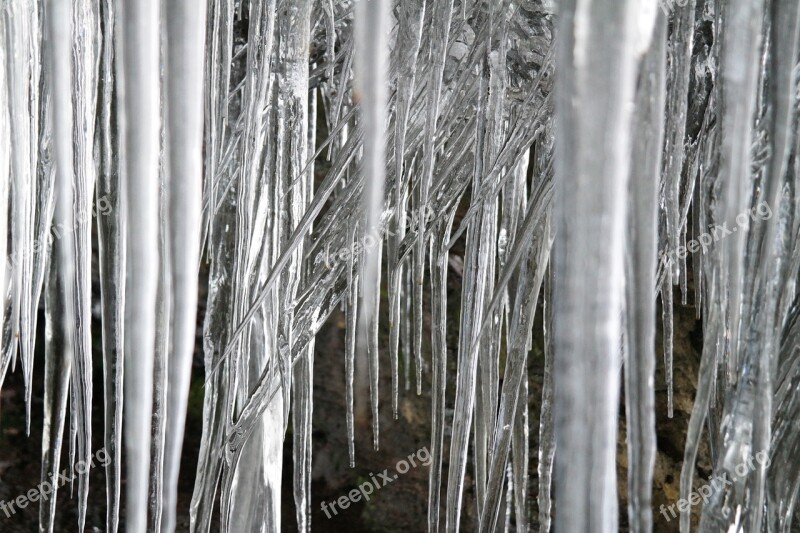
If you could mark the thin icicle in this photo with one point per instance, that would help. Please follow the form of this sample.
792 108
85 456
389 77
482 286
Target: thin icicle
488 375
186 22
439 268
547 438
411 15
111 257
5 179
530 282
440 28
667 320
85 74
160 367
640 270
57 371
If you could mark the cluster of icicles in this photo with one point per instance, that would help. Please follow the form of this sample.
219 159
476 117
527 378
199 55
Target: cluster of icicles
586 140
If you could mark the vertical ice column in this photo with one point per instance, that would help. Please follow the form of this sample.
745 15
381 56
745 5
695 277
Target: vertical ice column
594 90
139 124
184 116
372 61
640 270
59 17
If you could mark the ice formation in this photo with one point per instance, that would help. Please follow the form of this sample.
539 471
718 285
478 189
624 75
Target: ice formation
590 154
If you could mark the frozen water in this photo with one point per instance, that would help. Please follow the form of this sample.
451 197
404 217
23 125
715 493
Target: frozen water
588 156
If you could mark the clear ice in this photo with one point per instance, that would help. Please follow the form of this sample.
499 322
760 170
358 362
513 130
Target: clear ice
588 156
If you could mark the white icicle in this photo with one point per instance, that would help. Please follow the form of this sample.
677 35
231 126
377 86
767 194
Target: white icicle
593 94
372 58
139 123
186 22
85 54
648 127
5 177
59 18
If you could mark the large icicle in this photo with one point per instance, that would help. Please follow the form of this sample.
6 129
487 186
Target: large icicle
139 42
597 60
372 54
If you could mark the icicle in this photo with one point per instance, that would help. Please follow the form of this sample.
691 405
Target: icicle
488 359
739 51
5 179
112 271
59 38
57 371
439 267
440 28
372 28
412 13
640 270
681 40
303 384
22 58
520 455
784 36
139 125
667 322
160 361
351 312
711 346
530 282
85 61
184 124
547 438
596 84
303 410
